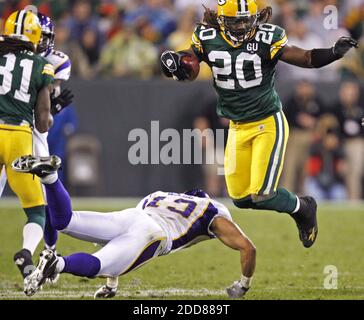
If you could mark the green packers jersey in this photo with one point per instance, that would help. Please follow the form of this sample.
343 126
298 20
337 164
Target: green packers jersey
243 74
22 76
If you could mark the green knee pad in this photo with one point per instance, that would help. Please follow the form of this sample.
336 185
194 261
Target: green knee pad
282 201
36 215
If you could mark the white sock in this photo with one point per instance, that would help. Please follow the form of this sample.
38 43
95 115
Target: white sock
112 282
246 281
49 179
60 265
32 235
298 205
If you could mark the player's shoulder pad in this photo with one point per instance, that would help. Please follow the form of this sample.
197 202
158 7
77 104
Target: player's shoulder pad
60 54
203 33
196 41
279 34
58 59
277 37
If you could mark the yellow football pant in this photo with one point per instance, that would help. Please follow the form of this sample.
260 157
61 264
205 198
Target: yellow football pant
254 156
16 141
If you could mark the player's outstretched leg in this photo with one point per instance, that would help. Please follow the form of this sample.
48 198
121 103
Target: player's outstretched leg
59 202
302 209
50 265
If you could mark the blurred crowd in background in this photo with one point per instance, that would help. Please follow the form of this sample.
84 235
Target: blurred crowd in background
121 38
124 38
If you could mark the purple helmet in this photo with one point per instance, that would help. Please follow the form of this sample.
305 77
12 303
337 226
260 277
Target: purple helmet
47 42
197 193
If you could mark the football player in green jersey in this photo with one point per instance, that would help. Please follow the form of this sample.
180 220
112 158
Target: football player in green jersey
25 84
242 50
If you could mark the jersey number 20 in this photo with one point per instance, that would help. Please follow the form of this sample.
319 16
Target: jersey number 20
226 70
7 77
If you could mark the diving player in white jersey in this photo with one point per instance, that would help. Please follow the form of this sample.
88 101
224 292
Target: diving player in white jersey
162 223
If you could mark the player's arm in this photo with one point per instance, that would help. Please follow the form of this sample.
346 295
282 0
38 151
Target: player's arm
317 58
61 99
233 237
42 113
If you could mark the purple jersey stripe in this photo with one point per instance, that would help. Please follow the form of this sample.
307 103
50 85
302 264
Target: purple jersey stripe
145 203
63 66
198 228
147 254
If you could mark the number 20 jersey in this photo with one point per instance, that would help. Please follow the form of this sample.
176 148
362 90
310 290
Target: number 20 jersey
185 219
244 74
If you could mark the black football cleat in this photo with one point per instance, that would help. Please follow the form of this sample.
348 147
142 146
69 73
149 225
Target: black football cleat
53 278
39 166
24 262
306 220
46 268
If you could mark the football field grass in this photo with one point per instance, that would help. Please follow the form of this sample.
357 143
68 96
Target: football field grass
285 270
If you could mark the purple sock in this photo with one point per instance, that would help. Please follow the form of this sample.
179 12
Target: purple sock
59 204
50 234
82 264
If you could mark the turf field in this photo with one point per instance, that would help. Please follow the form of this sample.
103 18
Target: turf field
285 270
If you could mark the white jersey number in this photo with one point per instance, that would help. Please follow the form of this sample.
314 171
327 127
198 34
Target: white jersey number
6 71
226 69
183 207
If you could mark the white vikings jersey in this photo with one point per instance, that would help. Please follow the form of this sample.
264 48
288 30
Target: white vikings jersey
61 63
62 71
185 219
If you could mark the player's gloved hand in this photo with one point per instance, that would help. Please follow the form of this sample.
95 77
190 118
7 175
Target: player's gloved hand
172 66
236 290
343 45
105 292
62 101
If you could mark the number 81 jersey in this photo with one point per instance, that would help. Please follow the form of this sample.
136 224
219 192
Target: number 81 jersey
185 219
22 76
243 73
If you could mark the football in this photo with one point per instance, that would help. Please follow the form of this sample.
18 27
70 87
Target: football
192 64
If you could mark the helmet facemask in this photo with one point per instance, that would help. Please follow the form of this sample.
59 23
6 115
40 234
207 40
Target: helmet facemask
238 29
46 43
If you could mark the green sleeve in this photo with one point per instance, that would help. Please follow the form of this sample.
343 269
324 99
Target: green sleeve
47 75
279 42
196 44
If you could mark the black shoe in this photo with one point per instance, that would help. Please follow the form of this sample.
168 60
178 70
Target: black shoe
46 268
23 260
40 166
306 220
